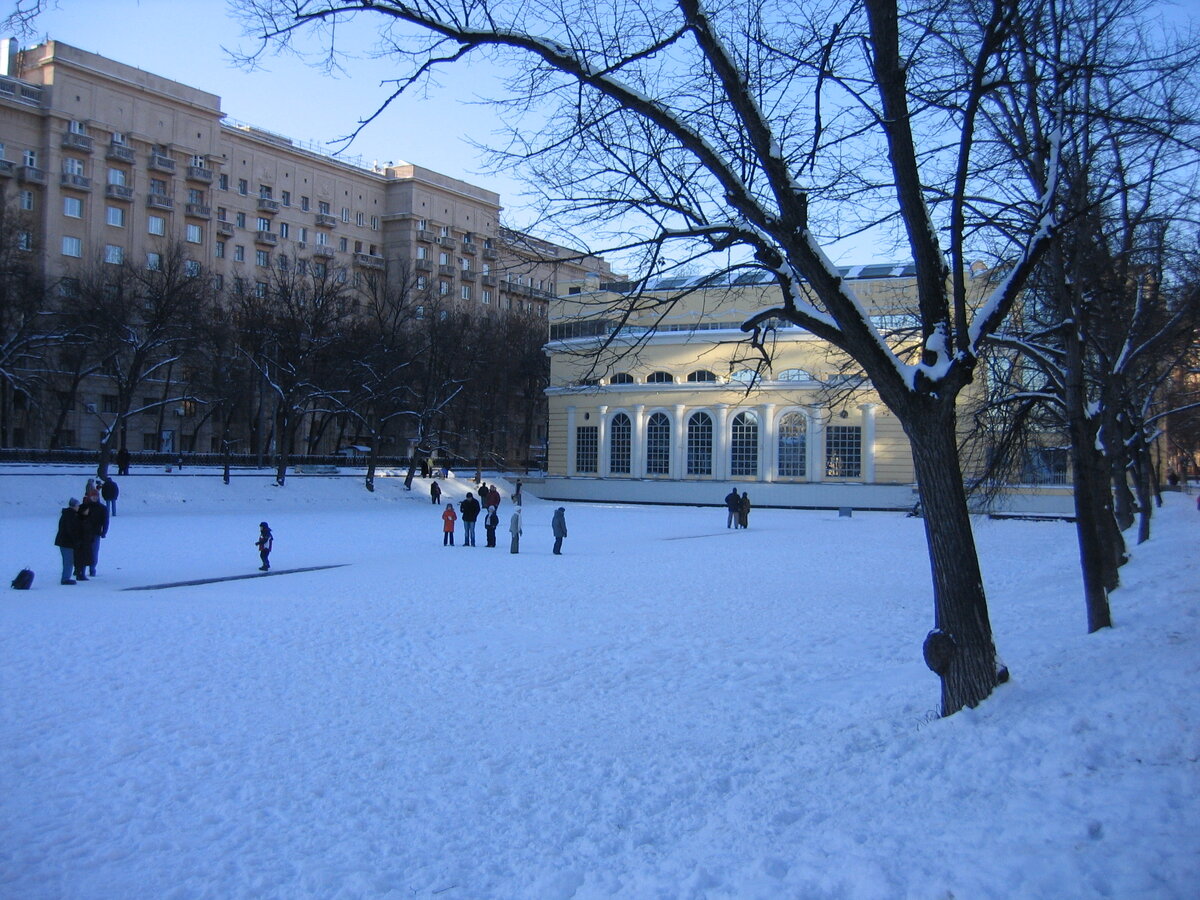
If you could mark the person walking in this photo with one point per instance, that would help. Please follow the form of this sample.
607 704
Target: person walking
559 526
490 521
265 543
514 528
449 517
109 491
732 504
435 493
123 461
470 513
744 510
64 540
83 540
96 522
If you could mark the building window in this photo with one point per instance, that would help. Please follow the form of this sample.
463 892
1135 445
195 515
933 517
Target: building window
343 244
72 166
30 158
243 187
239 253
285 197
843 451
422 253
443 258
156 225
117 177
303 235
264 192
794 375
73 207
374 223
346 215
464 292
422 282
72 246
620 444
113 254
158 187
487 296
284 230
260 289
322 239
360 219
108 403
793 445
219 253
660 378
154 262
1044 465
323 207
281 262
27 201
304 204
320 270
701 375
196 196
699 444
658 445
443 288
744 376
223 182
24 240
239 219
743 445
621 378
264 224
587 445
262 258
195 234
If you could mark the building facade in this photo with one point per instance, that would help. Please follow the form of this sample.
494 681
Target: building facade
109 164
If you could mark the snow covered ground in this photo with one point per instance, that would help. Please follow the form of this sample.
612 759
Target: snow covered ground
670 709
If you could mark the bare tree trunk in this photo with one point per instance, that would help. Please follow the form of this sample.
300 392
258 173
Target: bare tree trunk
970 673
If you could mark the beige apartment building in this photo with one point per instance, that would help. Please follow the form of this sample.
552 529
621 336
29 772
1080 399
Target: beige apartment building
111 164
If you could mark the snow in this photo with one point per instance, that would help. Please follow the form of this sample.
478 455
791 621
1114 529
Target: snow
670 709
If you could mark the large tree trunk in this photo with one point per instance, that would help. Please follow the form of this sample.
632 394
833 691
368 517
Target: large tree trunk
1095 528
970 671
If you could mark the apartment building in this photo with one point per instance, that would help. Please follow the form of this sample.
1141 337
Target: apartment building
111 164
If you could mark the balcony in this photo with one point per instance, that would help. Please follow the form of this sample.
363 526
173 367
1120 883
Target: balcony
448 242
120 153
324 220
470 247
161 163
159 201
118 192
31 175
267 205
488 280
423 265
489 253
269 238
8 168
445 270
13 89
368 260
322 250
199 173
197 211
73 141
466 274
225 229
425 237
76 182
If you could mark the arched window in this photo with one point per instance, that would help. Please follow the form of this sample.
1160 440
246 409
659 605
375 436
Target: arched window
620 434
743 445
621 378
699 444
701 375
795 375
745 376
660 378
658 445
793 445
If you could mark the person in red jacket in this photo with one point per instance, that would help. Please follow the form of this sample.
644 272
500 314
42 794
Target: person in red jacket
449 517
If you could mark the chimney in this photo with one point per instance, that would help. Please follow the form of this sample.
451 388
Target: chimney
8 56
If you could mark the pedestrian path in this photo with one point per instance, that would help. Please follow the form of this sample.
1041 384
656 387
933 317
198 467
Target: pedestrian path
172 584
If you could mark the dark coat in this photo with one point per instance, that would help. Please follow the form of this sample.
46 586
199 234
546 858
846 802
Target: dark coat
109 490
83 537
69 528
559 523
96 521
733 501
469 509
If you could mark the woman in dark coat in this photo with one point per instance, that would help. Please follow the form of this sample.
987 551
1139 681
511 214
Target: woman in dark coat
744 510
68 535
83 541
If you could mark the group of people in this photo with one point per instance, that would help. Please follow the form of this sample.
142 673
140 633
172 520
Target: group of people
81 526
738 508
488 503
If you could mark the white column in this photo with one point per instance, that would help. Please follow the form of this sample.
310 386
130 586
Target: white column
816 444
721 443
637 456
766 442
679 448
868 442
602 454
570 466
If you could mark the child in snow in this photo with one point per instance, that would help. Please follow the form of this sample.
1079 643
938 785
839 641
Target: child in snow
449 517
264 543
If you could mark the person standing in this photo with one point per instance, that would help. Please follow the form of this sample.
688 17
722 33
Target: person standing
449 517
265 543
68 533
517 493
490 521
109 493
744 510
514 528
123 461
470 512
96 522
83 540
733 504
435 493
559 526
493 498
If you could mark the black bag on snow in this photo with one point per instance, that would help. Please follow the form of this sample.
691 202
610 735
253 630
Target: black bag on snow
24 580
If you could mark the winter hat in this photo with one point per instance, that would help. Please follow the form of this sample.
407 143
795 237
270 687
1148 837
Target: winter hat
72 503
263 525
